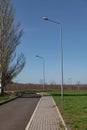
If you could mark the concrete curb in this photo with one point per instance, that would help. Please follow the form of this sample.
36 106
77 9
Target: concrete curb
60 114
29 123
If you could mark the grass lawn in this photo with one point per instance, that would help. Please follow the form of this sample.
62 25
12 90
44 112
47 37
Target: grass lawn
3 98
73 108
6 97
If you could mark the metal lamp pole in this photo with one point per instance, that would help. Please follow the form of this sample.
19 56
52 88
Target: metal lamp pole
61 52
43 69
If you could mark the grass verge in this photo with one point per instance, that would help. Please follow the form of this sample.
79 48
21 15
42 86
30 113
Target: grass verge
8 95
73 108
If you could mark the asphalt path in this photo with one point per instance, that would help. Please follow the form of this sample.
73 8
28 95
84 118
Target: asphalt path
16 114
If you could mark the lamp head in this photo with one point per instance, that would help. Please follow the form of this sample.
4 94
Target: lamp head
44 18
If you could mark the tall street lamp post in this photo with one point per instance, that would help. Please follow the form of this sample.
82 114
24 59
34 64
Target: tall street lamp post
43 69
61 52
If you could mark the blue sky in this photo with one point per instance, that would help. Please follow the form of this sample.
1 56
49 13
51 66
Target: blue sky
43 38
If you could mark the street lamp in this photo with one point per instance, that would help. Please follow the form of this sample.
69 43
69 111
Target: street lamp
43 69
61 52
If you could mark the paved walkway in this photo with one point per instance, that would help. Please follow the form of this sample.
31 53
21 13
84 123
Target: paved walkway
46 116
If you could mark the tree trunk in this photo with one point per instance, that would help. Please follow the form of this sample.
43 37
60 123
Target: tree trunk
2 91
2 85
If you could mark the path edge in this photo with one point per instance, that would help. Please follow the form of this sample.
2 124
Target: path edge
59 114
29 123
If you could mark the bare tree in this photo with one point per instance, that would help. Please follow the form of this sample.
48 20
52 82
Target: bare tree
10 35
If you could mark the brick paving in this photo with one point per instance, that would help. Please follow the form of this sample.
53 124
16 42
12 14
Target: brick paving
46 116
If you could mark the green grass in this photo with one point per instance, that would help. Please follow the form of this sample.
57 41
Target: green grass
73 108
4 98
9 95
